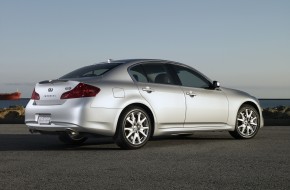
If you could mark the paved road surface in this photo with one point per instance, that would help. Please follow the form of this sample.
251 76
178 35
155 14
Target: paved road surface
201 161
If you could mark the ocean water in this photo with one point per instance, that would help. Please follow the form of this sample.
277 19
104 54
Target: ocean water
270 103
7 103
265 103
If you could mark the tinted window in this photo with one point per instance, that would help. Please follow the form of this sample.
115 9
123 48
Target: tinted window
91 71
157 73
190 78
138 73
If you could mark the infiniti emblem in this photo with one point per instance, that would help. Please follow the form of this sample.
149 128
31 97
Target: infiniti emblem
50 89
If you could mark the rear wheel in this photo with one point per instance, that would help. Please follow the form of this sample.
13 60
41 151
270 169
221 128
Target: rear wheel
247 123
134 128
72 139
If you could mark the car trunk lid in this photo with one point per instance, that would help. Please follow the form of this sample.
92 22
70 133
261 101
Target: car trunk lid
50 91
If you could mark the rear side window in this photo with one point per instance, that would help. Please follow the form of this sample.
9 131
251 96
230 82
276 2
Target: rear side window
138 73
91 71
157 73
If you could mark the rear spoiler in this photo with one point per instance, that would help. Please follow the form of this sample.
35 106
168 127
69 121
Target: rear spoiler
52 81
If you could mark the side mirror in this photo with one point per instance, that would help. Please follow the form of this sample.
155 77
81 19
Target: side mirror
215 84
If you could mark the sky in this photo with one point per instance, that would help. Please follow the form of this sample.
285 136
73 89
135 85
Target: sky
244 44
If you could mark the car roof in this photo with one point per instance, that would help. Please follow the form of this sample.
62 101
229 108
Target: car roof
128 61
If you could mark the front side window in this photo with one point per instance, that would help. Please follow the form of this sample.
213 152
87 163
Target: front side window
190 78
91 71
157 73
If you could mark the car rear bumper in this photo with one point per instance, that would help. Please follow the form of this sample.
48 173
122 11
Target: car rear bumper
75 114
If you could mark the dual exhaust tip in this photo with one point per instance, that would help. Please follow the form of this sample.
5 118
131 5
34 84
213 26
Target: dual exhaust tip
71 132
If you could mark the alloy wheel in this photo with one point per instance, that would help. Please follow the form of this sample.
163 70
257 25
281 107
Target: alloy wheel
136 127
247 122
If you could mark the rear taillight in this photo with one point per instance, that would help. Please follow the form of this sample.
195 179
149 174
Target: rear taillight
35 95
80 91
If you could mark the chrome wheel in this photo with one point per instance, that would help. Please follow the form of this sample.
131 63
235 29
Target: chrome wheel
247 123
136 127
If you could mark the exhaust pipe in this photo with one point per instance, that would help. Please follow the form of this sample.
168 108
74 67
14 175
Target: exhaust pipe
72 132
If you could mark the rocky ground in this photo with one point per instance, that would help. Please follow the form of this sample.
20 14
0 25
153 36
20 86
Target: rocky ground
13 115
279 115
279 112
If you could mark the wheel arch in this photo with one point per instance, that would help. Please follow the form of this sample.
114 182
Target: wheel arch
255 105
251 104
237 134
148 111
235 107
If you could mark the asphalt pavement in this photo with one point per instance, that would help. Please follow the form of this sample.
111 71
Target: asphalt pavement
201 161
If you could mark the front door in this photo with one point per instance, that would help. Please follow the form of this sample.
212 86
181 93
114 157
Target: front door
205 106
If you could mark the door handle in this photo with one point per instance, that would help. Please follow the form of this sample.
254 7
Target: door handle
148 89
190 93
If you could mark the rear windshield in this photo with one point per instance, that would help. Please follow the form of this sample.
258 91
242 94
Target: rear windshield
91 71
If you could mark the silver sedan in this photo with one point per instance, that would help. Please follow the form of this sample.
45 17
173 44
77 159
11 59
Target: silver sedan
132 100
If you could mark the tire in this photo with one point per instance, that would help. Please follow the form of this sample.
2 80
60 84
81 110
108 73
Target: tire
247 123
134 128
72 140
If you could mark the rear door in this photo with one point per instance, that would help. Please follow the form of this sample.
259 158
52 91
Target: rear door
157 87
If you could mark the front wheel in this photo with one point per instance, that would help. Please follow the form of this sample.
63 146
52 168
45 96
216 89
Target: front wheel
247 123
134 128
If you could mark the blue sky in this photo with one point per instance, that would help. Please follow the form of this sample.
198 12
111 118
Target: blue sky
243 44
